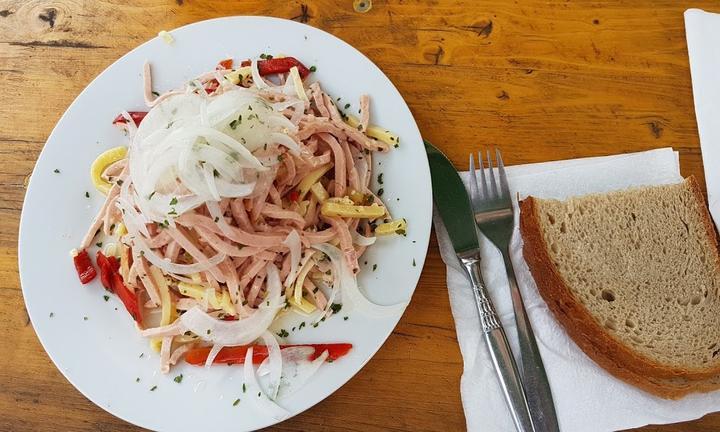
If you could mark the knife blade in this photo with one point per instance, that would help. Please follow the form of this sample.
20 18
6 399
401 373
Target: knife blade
453 204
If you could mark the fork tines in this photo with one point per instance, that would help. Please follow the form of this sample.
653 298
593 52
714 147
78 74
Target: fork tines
489 188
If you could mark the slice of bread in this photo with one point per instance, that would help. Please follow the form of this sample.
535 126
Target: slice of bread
634 278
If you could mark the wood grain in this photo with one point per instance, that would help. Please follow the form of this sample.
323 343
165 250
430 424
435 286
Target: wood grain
541 80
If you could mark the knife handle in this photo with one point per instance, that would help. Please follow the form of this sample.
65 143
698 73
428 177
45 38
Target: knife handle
502 358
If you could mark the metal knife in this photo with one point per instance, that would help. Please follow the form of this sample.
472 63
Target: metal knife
453 204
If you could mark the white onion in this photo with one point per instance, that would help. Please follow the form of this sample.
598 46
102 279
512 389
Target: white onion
257 79
292 241
285 140
170 267
214 351
348 286
297 369
240 332
266 404
275 362
361 240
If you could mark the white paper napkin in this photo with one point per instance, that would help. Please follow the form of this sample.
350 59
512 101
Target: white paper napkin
586 397
702 30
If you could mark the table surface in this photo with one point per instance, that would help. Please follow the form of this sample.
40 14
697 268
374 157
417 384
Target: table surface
541 80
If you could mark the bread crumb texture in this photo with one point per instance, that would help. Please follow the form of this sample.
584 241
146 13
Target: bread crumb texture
644 263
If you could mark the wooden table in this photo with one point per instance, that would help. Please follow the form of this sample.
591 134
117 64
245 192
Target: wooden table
542 80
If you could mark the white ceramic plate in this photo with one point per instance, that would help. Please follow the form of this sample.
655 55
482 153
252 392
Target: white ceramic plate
94 342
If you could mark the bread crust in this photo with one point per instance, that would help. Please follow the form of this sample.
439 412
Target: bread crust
600 345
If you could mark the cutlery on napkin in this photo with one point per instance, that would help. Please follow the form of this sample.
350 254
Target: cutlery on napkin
586 397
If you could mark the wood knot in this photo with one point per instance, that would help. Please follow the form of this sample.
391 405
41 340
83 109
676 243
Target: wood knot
435 56
656 128
304 16
48 16
482 28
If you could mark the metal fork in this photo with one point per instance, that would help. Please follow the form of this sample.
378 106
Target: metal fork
493 208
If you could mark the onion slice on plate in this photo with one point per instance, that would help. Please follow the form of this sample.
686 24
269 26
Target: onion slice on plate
263 401
349 288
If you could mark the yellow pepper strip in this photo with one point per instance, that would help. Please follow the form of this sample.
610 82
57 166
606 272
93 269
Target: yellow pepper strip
168 309
302 207
310 179
398 226
361 199
300 280
103 161
120 230
297 82
304 305
319 191
330 208
198 292
238 75
376 132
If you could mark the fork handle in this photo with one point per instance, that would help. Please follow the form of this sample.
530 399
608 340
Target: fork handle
502 358
534 377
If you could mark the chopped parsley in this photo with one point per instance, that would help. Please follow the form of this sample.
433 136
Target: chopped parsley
217 218
380 178
281 157
259 394
178 379
237 401
283 333
374 267
85 318
414 262
137 379
87 194
347 105
345 318
209 331
316 324
380 192
106 297
153 388
302 324
156 94
172 201
56 171
335 307
244 388
235 123
98 244
141 355
216 173
119 182
313 68
52 314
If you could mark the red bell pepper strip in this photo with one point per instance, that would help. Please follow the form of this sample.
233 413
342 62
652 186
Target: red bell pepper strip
245 63
211 86
85 269
108 266
281 65
224 64
294 195
136 116
236 355
128 297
